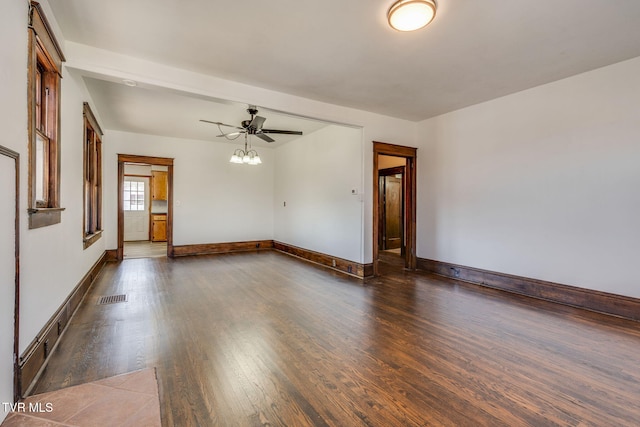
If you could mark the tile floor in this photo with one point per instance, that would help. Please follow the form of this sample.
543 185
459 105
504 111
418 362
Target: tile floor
125 400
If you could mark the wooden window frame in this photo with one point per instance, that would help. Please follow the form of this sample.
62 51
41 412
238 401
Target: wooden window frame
43 94
92 181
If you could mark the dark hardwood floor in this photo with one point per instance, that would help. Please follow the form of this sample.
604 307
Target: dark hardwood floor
263 339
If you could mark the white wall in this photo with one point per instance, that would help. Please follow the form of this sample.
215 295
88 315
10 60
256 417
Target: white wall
214 200
544 183
7 279
52 259
141 170
375 127
13 122
315 175
386 162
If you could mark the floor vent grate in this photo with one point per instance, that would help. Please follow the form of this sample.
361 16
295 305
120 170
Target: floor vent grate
112 299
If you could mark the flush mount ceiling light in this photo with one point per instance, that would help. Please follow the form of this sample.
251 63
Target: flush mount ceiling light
411 15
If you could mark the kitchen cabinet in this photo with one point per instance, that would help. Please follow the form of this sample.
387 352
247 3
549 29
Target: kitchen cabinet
158 227
159 187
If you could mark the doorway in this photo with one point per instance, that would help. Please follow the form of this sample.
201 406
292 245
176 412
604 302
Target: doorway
9 279
145 206
394 201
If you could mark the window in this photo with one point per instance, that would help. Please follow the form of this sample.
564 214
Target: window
133 195
44 73
92 224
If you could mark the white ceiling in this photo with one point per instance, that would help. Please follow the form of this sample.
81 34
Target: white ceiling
160 112
343 52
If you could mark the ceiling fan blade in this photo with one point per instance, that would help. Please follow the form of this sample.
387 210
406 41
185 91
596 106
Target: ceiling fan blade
257 122
283 132
264 137
231 134
220 124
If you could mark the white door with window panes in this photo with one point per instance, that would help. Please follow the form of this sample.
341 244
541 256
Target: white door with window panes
136 208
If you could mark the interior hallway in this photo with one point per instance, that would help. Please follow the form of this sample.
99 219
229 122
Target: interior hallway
265 339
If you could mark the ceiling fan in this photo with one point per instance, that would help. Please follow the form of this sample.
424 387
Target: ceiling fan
253 126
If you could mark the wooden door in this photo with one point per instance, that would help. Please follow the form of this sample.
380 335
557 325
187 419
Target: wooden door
393 212
8 279
391 227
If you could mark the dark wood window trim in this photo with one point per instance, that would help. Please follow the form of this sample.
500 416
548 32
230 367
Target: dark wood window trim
43 93
92 181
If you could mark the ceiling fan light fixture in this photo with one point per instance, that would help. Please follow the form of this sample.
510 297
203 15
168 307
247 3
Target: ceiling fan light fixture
248 156
237 156
254 158
411 15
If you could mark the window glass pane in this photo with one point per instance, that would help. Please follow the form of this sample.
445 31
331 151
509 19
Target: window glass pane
41 160
38 98
87 213
134 195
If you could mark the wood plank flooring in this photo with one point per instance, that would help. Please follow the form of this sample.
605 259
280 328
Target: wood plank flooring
263 339
144 249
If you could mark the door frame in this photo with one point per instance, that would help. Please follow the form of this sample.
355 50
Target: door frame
159 161
16 310
410 155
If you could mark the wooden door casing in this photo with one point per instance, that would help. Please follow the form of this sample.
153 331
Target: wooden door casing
160 161
410 186
9 278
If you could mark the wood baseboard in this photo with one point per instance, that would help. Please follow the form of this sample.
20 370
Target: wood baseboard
111 255
338 264
602 302
35 357
217 248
